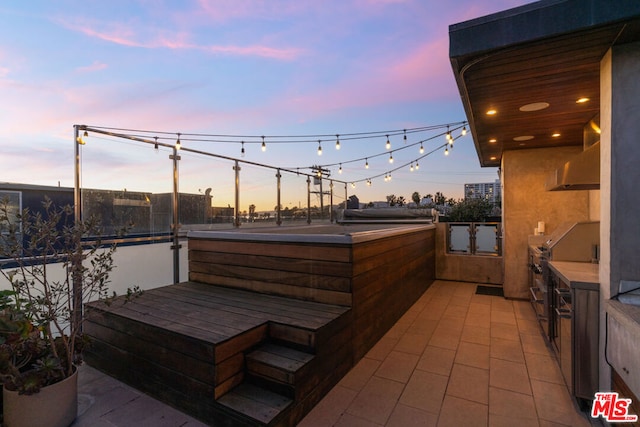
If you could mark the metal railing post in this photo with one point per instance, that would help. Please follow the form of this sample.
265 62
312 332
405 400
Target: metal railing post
236 168
308 200
77 211
278 218
176 220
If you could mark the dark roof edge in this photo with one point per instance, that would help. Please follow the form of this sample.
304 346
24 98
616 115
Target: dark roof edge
542 19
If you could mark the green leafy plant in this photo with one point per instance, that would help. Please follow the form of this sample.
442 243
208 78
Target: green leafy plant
41 316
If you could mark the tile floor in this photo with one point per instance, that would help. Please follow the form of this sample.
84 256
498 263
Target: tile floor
455 359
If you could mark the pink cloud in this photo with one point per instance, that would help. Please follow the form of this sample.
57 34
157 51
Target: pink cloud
95 66
123 35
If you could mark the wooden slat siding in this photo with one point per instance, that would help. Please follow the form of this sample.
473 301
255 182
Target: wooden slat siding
308 294
301 338
229 384
282 275
201 407
311 251
153 351
329 268
174 341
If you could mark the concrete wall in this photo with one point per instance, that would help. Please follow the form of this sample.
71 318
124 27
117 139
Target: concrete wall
465 268
525 202
620 208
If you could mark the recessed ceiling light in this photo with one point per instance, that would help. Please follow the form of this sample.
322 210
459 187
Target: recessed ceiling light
582 100
493 157
534 106
523 138
555 135
493 140
491 112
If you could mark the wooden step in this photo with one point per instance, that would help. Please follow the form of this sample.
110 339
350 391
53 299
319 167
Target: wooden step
277 363
255 404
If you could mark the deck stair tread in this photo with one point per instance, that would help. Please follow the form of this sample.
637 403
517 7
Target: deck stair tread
255 402
277 362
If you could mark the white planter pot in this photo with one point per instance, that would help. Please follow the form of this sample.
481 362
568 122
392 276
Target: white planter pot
54 406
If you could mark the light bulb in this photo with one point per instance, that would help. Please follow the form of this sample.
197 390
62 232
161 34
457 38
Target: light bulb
340 170
264 146
366 165
421 148
319 149
337 142
446 151
464 130
388 145
178 144
417 166
242 149
390 158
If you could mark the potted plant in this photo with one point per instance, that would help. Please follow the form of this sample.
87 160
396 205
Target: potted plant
55 264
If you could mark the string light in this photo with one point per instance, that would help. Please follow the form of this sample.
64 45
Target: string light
388 145
411 168
155 146
405 136
242 149
446 151
178 144
366 163
337 142
353 185
319 149
391 157
417 165
369 182
448 136
464 130
340 170
421 148
264 146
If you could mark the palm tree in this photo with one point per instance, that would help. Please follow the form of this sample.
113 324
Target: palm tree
416 198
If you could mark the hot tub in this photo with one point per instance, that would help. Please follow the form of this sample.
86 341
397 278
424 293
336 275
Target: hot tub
379 270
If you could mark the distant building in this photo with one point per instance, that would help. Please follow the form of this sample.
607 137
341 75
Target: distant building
490 191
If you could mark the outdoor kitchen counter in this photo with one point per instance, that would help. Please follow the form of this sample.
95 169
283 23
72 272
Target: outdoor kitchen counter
583 275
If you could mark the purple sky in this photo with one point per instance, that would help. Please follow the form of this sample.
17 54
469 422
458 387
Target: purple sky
231 67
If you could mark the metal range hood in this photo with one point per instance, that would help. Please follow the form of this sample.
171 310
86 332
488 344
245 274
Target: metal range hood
580 173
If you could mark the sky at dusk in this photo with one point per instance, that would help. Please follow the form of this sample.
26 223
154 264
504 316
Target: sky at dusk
234 67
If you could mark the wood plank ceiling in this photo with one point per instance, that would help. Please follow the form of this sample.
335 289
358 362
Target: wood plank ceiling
556 71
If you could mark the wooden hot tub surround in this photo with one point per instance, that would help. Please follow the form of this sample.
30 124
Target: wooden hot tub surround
269 321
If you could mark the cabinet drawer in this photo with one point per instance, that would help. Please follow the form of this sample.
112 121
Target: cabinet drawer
623 347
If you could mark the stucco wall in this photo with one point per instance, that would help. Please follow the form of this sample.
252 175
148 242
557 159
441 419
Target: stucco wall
525 202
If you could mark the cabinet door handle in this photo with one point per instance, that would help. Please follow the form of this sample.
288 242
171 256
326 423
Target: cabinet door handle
563 313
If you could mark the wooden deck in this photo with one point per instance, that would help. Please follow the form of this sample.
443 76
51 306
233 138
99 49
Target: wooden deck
264 328
191 344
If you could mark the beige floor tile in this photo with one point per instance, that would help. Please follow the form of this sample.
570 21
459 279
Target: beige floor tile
476 307
398 366
508 403
476 334
406 416
528 326
425 391
376 400
535 343
360 374
553 403
467 382
505 331
509 375
523 310
501 304
458 311
423 327
502 421
472 354
412 343
482 299
445 338
459 412
431 311
500 316
328 411
544 368
398 329
348 420
507 350
382 348
481 320
436 360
